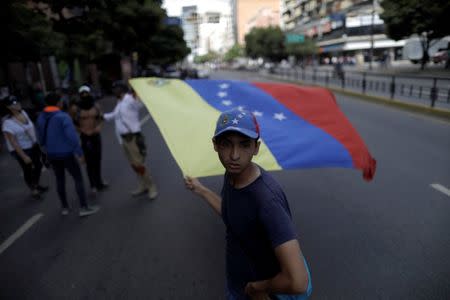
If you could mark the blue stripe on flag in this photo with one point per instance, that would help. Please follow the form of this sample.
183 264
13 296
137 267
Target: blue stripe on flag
293 141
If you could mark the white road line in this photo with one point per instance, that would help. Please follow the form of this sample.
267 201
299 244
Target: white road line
145 119
16 235
440 188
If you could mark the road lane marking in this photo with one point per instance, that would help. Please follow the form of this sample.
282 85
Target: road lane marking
440 188
145 119
16 235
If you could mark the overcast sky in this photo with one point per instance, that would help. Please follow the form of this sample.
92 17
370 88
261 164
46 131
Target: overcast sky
173 7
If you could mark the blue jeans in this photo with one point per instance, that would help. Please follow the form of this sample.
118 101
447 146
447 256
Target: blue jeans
59 165
231 294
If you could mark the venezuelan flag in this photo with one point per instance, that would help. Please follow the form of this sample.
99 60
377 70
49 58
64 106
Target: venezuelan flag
301 127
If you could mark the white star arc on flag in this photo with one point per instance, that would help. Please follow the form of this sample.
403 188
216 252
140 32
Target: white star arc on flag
227 102
222 94
279 116
258 113
224 85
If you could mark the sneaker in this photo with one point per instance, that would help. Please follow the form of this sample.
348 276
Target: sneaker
103 186
87 211
139 191
65 211
42 188
35 194
153 192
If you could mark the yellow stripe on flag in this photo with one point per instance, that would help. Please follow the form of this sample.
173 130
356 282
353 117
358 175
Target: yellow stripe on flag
187 124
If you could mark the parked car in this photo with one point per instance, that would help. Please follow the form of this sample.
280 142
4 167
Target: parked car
202 73
171 72
440 57
152 71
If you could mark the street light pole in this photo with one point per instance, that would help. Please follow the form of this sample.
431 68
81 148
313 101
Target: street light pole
371 35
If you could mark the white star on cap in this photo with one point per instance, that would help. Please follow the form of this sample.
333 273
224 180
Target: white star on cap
279 116
240 108
224 85
227 102
258 113
235 121
240 116
222 94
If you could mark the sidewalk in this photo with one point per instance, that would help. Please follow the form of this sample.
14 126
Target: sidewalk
401 67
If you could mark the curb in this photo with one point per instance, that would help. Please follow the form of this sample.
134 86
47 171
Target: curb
435 112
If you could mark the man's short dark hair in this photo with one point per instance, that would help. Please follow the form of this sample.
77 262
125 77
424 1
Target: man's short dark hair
120 85
52 99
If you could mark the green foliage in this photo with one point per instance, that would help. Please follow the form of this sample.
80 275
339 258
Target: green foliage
266 42
427 18
308 47
91 29
27 34
210 56
235 51
406 17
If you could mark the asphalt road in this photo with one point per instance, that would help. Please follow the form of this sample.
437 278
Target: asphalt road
387 239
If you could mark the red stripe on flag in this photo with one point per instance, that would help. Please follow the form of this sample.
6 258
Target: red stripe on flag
318 107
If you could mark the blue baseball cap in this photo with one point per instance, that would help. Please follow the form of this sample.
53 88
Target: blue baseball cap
237 120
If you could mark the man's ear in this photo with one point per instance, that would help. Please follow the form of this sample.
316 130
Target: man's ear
258 143
214 143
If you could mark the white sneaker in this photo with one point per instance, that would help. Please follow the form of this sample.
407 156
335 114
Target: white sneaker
153 192
139 191
87 211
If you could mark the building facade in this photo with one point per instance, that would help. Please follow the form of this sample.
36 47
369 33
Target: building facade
342 28
251 12
208 28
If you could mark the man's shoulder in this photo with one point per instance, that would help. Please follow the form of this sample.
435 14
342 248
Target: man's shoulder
269 184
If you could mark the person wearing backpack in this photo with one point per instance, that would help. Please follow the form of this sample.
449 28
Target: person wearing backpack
60 140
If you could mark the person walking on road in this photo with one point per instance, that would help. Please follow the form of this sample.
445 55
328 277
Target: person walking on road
59 138
128 126
263 256
88 122
21 141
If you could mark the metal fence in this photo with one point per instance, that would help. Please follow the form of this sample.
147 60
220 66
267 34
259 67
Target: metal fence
432 91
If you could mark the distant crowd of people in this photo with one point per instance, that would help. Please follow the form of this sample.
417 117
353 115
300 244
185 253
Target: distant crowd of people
67 134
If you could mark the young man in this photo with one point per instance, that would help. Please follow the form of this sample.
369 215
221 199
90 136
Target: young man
128 126
263 256
87 118
59 138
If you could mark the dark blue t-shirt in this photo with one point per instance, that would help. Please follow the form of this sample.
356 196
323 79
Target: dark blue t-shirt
257 219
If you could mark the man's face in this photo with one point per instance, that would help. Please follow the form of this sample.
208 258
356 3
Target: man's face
235 151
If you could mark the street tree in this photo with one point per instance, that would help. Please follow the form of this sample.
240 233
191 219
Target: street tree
300 50
267 42
233 53
27 35
426 18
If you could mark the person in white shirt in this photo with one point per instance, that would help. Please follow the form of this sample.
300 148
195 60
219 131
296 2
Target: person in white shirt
128 126
21 141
